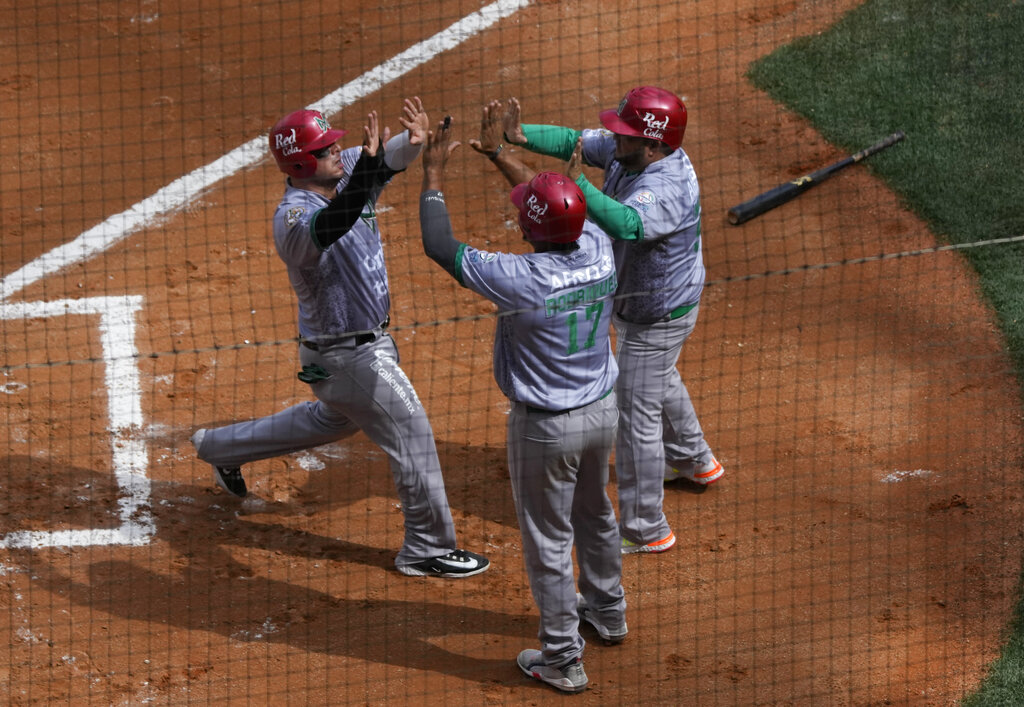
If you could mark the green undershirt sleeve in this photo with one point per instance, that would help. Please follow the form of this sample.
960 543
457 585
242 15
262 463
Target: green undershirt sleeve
617 220
550 140
458 264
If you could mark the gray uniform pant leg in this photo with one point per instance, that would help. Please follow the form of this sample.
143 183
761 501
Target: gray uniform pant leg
558 465
594 524
657 418
367 390
368 386
682 435
299 427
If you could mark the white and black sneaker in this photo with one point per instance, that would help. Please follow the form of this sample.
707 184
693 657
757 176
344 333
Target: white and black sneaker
457 563
228 478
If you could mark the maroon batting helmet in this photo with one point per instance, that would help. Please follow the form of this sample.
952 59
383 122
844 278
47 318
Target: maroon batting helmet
651 112
296 136
551 208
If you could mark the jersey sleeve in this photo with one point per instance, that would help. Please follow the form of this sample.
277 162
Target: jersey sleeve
664 206
400 153
598 147
499 277
293 236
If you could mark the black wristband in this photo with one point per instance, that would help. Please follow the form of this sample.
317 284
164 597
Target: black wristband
497 151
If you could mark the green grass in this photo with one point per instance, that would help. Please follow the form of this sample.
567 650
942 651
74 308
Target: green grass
951 76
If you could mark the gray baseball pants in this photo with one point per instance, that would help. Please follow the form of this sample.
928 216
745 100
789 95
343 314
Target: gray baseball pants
658 425
368 391
558 463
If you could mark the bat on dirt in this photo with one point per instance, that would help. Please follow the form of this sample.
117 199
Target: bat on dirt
784 192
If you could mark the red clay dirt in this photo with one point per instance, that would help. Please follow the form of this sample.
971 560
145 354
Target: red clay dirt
863 547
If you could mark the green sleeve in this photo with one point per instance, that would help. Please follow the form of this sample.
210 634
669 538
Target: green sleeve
551 140
458 264
617 220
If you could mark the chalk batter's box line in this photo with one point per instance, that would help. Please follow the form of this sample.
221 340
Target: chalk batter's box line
129 453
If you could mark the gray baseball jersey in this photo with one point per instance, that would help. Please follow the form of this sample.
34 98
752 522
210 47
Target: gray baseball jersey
551 342
345 288
553 360
667 266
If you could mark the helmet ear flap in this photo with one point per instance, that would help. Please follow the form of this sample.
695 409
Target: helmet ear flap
303 166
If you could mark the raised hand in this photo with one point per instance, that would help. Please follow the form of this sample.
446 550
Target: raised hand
574 167
373 140
415 120
491 128
511 122
439 146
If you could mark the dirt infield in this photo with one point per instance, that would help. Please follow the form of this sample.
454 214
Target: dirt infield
863 547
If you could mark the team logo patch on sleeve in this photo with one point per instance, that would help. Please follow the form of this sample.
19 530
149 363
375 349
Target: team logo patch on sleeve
482 256
643 201
292 216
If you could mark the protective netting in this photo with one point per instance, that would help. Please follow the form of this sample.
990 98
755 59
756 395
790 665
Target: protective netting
862 547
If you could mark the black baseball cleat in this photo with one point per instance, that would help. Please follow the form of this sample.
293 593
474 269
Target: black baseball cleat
230 479
457 563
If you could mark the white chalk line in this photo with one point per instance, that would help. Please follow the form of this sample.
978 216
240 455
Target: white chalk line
117 323
181 192
130 458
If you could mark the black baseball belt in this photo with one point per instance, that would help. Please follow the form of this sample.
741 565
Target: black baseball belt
543 411
353 339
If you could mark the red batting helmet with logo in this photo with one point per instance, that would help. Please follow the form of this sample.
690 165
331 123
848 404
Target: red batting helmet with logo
551 208
651 112
297 135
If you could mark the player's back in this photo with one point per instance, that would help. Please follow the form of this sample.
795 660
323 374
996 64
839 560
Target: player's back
552 348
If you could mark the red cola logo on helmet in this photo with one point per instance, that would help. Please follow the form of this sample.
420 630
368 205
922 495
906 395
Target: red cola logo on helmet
286 142
534 209
655 128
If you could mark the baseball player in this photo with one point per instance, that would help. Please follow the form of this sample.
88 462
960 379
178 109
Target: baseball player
326 232
553 360
650 205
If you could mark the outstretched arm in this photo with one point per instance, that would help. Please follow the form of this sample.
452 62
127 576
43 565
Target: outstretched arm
337 218
617 220
436 228
550 140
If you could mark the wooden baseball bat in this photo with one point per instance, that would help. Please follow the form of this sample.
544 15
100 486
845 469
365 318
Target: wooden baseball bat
790 190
